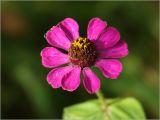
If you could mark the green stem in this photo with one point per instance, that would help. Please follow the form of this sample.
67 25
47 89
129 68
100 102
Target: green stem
101 99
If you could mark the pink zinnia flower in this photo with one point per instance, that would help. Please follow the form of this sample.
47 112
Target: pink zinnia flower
99 49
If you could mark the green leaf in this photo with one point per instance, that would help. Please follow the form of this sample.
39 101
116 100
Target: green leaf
116 109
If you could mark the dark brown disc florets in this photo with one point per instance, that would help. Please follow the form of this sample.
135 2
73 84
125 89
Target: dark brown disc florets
82 52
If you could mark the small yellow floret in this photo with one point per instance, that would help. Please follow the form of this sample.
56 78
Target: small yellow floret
81 43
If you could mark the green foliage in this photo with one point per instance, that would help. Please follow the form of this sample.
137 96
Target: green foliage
116 109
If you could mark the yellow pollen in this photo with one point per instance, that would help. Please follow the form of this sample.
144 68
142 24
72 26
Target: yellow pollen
81 43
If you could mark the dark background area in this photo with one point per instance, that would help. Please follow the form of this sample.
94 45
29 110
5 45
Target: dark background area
25 92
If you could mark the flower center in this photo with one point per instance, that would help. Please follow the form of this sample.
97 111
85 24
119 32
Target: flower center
82 52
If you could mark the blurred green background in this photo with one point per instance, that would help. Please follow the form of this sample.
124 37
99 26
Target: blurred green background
25 92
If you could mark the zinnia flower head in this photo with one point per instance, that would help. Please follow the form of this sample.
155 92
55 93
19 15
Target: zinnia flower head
100 48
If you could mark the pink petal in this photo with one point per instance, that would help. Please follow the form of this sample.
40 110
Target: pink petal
70 27
51 57
110 68
108 38
71 80
117 51
95 28
55 76
91 81
57 38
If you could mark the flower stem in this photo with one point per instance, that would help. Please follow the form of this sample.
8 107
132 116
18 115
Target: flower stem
101 100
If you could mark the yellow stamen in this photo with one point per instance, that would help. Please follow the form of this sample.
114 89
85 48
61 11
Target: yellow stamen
81 43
